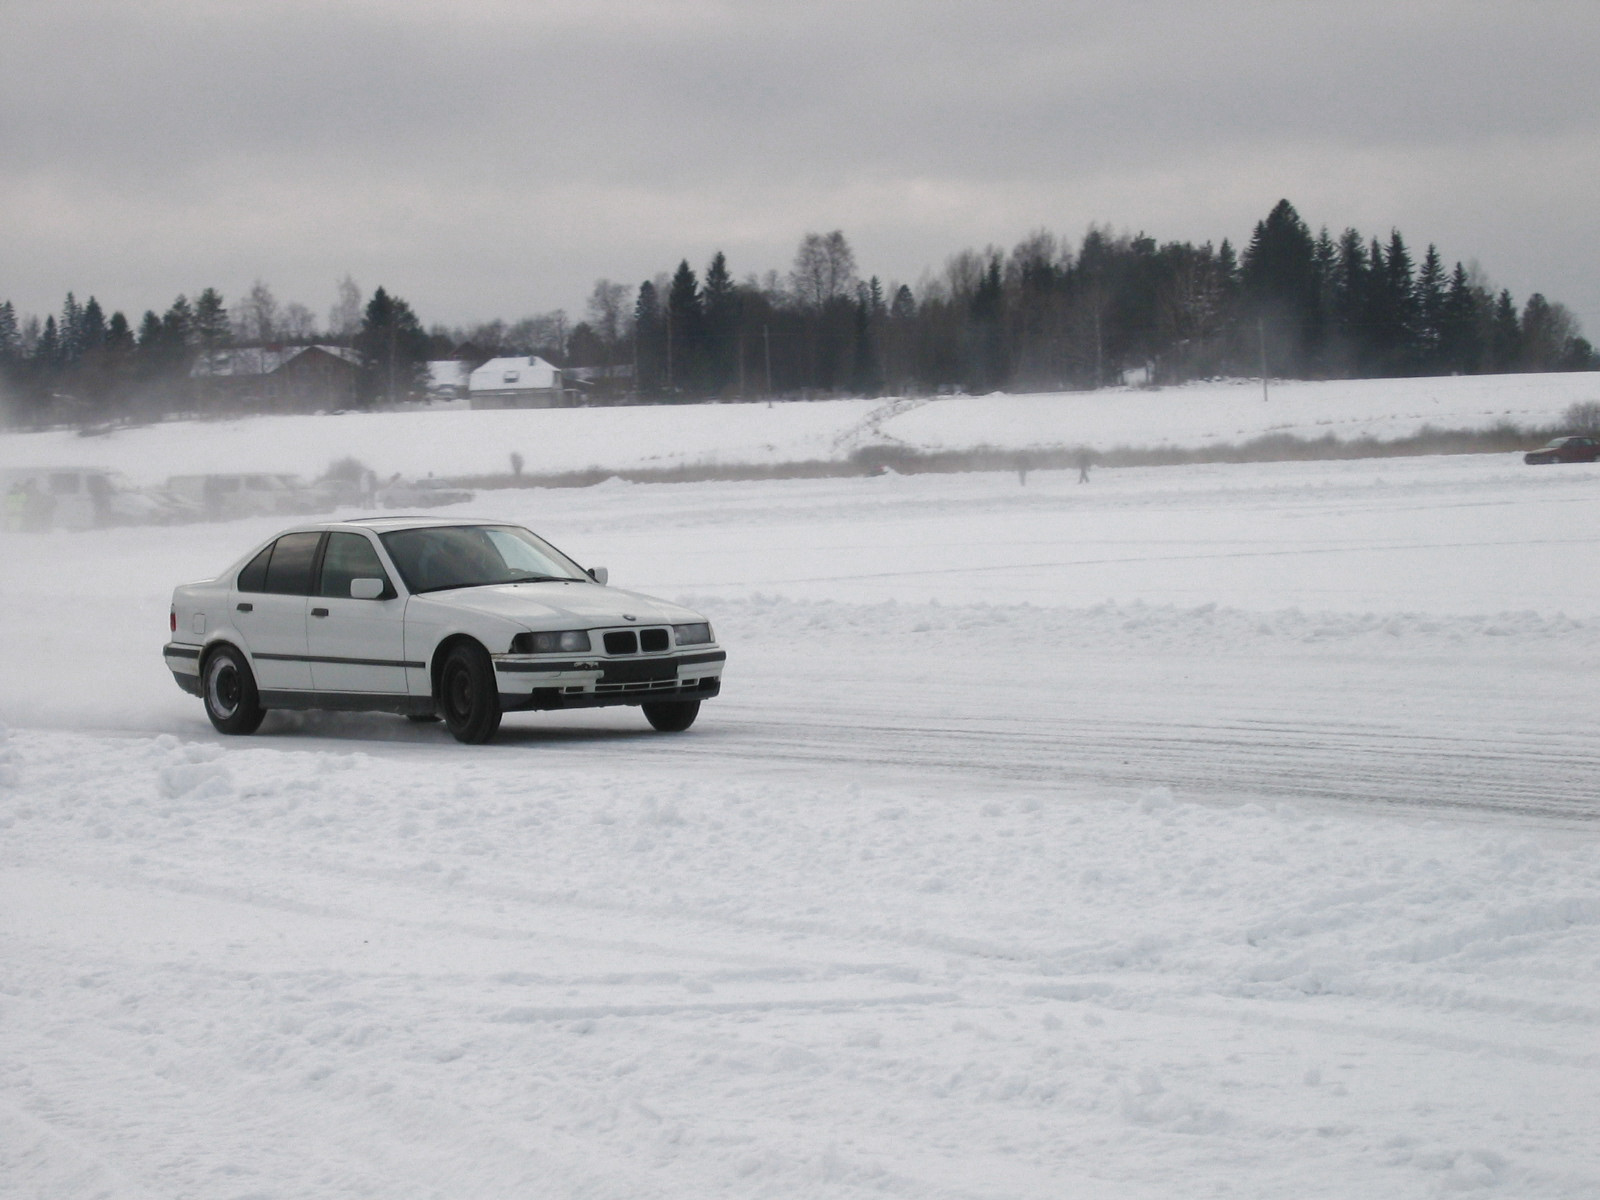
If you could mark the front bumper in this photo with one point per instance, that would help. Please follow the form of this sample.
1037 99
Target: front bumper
535 681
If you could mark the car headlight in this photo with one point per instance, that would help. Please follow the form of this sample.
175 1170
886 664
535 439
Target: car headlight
565 641
692 635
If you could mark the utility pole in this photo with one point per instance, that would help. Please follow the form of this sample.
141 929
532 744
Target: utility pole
669 351
1099 348
766 339
740 337
1261 335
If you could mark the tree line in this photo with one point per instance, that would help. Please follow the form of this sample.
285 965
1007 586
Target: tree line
84 366
1046 315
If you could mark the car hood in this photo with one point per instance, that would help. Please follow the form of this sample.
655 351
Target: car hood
555 605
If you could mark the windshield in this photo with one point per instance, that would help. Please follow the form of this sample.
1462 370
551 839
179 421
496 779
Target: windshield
456 556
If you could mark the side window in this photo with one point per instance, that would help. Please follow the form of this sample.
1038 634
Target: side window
289 569
349 556
254 576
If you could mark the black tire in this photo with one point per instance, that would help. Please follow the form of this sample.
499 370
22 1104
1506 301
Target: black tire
469 698
229 689
672 716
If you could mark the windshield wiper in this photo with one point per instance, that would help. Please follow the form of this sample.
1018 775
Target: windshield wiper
537 579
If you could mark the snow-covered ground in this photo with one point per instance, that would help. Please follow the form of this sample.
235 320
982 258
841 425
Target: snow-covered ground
455 443
1204 831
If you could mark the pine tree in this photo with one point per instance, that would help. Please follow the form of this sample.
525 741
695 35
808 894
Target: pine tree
47 350
1394 308
865 374
684 331
987 361
70 332
1459 350
721 326
177 328
648 341
10 334
393 349
1430 295
211 329
119 337
1280 285
1505 344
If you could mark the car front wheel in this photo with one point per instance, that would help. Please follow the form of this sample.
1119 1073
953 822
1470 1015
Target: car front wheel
469 698
672 716
232 701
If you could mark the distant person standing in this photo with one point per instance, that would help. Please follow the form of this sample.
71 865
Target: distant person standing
16 507
1085 461
38 508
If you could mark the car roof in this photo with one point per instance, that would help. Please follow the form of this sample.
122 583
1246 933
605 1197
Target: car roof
389 524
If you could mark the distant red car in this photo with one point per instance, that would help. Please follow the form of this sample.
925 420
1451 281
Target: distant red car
1564 450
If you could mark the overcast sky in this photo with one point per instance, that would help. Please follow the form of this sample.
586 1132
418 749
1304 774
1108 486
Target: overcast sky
489 158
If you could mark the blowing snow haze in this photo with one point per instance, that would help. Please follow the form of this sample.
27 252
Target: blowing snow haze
486 158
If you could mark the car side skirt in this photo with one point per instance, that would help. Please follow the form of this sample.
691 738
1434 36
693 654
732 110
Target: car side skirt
348 702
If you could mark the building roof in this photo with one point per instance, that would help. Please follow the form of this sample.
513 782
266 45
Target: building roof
515 375
241 361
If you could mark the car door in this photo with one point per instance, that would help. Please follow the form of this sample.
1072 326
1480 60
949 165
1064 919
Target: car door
355 645
270 602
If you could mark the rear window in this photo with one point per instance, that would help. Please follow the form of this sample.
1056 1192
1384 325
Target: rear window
289 568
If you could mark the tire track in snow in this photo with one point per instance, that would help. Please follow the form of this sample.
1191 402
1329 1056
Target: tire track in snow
1343 763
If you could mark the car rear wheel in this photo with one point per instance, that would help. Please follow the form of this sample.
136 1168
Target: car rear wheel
469 698
232 701
672 716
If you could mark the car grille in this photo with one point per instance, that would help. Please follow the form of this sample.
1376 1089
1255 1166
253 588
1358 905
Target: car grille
627 641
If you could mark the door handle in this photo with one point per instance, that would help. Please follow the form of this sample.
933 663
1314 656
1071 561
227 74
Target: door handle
319 612
245 607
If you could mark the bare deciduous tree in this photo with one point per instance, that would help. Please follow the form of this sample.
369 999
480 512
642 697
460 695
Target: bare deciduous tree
255 318
344 318
608 312
824 269
298 323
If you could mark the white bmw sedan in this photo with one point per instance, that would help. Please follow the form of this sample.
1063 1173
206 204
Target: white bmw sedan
463 620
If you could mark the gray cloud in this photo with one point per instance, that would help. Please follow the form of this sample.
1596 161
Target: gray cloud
493 158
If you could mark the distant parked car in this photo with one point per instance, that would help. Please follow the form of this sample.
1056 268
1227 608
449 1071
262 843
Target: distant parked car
431 618
1565 450
420 493
83 498
231 495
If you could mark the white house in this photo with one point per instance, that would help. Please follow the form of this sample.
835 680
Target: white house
447 378
516 383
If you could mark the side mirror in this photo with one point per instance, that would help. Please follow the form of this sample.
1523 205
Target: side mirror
599 575
366 589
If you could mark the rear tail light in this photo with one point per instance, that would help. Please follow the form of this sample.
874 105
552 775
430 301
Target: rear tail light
172 620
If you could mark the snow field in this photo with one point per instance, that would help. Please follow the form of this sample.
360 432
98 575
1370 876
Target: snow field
276 971
1218 830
